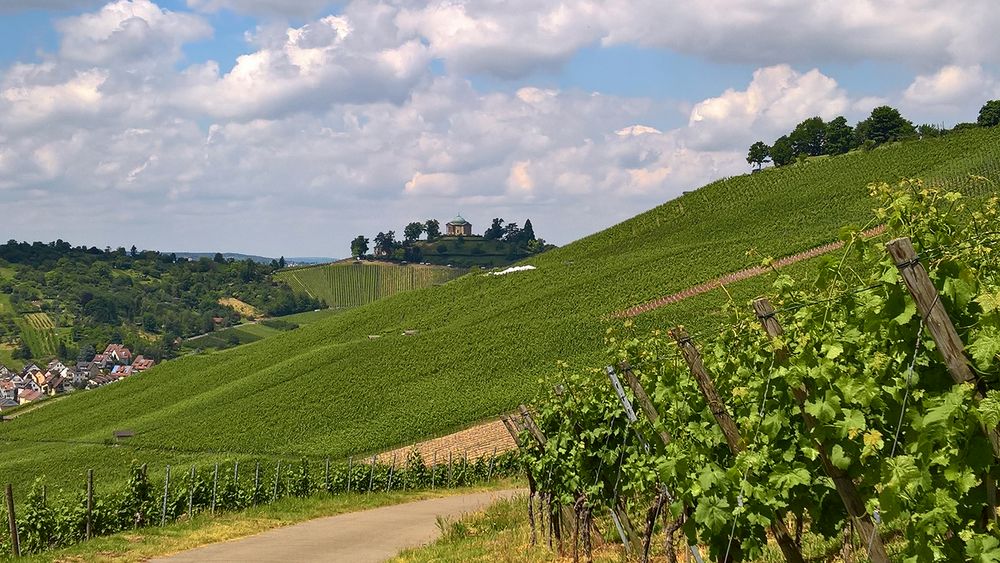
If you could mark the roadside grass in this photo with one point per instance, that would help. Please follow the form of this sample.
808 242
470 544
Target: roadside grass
204 529
501 533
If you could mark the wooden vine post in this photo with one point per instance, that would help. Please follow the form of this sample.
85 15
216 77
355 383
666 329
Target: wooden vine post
946 338
736 445
12 521
532 488
842 481
90 504
166 491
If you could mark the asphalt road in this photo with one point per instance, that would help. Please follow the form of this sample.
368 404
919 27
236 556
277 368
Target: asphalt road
367 536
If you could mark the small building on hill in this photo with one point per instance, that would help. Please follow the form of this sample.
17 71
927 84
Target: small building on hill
459 227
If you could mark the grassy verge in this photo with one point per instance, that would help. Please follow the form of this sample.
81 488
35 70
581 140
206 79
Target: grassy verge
501 533
146 543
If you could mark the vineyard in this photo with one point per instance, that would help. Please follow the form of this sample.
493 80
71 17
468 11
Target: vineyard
351 284
41 334
44 521
862 405
447 356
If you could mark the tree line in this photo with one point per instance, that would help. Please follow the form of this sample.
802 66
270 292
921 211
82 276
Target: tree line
814 137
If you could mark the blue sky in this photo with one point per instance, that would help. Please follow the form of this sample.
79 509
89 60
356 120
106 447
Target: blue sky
359 116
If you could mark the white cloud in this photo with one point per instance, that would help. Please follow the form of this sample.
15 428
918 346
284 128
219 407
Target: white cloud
128 32
777 98
313 66
952 86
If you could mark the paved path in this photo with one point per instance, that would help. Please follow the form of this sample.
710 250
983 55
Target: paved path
368 536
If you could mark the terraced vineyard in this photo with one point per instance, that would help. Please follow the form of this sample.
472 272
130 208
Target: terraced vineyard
351 283
40 333
482 342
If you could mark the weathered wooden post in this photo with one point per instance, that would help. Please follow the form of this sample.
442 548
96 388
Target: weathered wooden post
191 493
736 445
450 470
277 479
12 522
350 461
166 491
371 476
326 476
215 486
256 484
948 342
434 468
392 468
489 472
90 503
841 480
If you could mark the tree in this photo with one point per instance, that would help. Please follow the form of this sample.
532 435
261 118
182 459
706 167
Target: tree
385 243
432 228
781 151
495 231
359 246
219 258
927 131
281 262
884 125
808 137
133 252
759 154
413 231
839 136
989 114
510 232
528 232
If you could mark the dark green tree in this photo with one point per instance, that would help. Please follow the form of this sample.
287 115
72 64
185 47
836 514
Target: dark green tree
781 151
511 232
759 154
884 125
432 228
219 258
808 137
495 231
281 262
412 231
385 243
989 114
133 252
839 136
528 232
359 246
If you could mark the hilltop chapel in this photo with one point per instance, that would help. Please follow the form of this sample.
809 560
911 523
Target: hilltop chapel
459 227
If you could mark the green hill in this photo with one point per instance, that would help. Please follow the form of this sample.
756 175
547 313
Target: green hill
482 341
351 283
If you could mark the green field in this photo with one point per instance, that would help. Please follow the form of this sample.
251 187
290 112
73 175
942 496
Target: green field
40 333
483 342
352 283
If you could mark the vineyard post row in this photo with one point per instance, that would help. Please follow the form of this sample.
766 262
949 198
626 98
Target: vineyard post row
934 317
393 476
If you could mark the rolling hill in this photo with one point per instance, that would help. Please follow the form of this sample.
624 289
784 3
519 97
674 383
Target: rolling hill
481 342
350 283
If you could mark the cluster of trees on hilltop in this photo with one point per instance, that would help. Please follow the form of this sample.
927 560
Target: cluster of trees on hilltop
386 245
146 300
814 137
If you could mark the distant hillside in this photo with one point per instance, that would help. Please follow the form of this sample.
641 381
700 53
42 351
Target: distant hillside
292 260
460 352
351 283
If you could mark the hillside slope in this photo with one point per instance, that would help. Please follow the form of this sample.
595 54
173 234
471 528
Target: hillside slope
482 342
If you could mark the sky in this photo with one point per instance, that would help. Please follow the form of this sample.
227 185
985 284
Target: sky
288 127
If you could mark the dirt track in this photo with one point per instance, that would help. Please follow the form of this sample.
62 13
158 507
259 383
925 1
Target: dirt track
368 536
